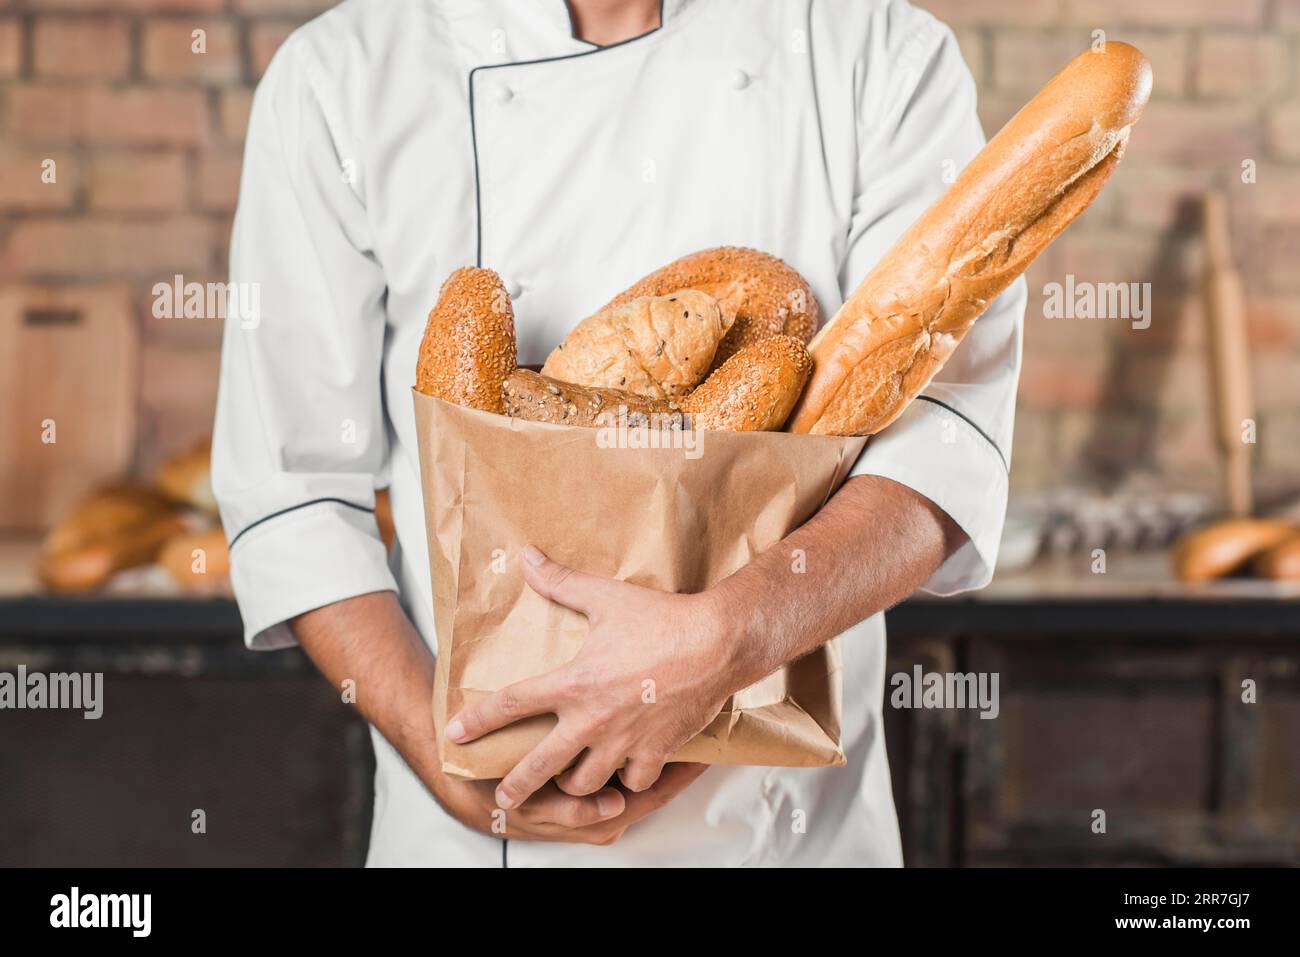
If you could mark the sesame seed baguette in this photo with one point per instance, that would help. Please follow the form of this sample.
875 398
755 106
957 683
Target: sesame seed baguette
468 348
908 315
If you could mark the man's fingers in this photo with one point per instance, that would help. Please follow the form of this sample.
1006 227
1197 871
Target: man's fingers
638 774
523 699
559 583
537 767
591 773
675 779
550 805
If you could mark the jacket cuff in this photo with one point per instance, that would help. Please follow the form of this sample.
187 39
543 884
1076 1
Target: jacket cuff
937 452
304 558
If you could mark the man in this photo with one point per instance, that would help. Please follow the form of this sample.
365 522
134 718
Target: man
574 148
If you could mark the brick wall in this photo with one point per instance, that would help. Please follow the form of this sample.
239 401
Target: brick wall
146 136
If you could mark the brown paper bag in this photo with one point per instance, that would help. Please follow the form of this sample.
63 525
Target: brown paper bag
674 518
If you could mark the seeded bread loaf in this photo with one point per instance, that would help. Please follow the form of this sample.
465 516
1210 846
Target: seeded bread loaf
754 390
469 341
538 398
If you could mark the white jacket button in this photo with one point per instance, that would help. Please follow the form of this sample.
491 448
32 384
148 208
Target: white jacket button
739 80
513 289
503 94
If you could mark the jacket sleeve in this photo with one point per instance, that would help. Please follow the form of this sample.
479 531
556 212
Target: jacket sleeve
299 441
917 127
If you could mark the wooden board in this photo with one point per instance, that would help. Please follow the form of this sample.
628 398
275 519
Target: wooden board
68 356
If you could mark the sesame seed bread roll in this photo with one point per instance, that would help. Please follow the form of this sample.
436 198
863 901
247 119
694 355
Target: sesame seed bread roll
539 398
754 390
656 346
759 294
469 342
1041 171
1225 547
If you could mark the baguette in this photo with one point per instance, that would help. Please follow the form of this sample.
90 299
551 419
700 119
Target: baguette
760 295
538 398
1281 562
754 390
468 348
656 346
212 577
1225 547
1041 171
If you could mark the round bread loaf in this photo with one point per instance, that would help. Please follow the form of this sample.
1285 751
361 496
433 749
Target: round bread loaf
759 294
754 390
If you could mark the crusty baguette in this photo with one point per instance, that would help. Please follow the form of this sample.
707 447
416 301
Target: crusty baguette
187 477
1225 547
656 346
538 398
110 530
1041 171
211 576
754 390
469 341
760 295
1281 562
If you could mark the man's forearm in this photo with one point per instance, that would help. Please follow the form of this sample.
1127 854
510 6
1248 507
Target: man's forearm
369 640
870 547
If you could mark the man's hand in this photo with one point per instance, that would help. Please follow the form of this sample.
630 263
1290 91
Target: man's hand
646 681
551 815
656 668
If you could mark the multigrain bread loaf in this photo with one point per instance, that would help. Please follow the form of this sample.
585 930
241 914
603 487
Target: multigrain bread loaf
754 390
759 294
111 530
1225 547
539 398
469 341
656 346
1041 171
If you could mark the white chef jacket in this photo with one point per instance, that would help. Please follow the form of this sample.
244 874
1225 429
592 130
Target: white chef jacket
393 141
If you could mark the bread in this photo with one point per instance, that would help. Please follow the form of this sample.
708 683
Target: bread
908 315
656 346
1225 547
759 294
187 477
469 341
112 529
754 390
1281 562
211 575
539 398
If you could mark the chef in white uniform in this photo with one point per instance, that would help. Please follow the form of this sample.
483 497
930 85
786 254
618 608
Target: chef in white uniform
393 141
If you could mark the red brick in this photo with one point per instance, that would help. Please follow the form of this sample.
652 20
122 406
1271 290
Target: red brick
298 8
1054 379
81 48
264 38
1288 12
11 48
1276 376
137 182
233 112
168 51
217 182
1023 60
1284 131
971 42
1018 12
1182 132
1240 65
137 6
1278 256
1274 197
21 183
63 248
1161 196
134 116
1278 450
1273 322
1107 14
178 389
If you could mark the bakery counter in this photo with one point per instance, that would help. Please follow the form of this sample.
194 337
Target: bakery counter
1174 709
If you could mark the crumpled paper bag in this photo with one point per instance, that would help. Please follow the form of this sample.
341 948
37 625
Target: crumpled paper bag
601 500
